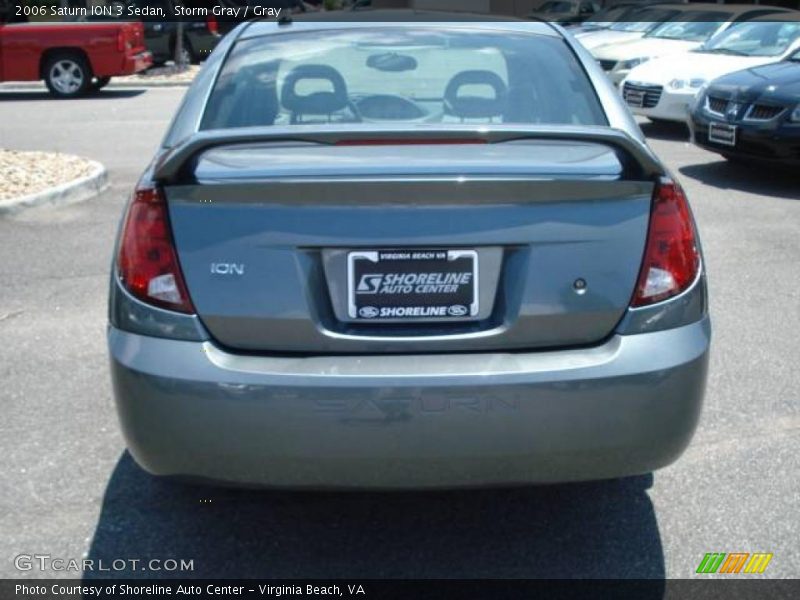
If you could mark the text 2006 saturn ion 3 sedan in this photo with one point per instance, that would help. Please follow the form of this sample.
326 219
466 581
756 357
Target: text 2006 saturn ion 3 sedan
392 255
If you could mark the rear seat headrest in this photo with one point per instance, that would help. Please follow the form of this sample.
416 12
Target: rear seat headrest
475 107
315 103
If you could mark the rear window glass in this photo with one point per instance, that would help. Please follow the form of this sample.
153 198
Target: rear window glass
398 75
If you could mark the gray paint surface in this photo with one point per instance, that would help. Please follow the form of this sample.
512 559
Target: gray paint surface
190 410
278 212
63 448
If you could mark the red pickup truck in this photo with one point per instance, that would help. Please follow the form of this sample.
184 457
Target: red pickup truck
72 58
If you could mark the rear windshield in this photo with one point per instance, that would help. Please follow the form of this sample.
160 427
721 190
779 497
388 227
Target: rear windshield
401 75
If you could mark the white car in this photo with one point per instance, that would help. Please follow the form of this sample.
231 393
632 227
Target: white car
688 30
629 30
666 88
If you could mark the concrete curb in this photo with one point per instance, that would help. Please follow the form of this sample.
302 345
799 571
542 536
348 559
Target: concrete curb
71 192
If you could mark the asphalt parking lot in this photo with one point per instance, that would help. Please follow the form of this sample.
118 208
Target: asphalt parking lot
69 489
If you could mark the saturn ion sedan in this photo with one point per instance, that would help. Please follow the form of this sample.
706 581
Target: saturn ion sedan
406 255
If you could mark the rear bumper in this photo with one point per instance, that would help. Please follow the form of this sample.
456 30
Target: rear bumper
627 407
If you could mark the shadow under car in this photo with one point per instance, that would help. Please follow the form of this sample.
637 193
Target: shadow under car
604 529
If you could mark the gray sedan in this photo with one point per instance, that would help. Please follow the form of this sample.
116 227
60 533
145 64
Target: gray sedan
406 254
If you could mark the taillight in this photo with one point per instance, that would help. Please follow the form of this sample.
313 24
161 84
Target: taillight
211 23
671 258
121 40
147 262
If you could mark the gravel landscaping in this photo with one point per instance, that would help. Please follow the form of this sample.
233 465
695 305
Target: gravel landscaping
26 173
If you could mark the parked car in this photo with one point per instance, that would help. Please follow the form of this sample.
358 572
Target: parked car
565 11
752 114
605 17
637 25
666 88
200 34
608 16
71 58
406 254
687 31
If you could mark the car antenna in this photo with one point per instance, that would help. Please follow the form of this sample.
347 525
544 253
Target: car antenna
285 19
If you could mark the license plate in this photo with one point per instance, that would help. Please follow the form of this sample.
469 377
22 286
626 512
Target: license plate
722 133
635 98
412 285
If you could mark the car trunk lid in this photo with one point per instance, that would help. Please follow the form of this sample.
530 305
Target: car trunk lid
554 231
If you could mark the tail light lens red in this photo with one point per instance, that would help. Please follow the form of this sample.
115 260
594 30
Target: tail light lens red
121 41
671 258
212 24
147 262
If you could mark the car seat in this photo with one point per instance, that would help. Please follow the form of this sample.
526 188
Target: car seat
315 103
475 107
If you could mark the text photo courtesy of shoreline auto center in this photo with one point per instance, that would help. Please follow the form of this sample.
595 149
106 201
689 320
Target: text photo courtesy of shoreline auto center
399 299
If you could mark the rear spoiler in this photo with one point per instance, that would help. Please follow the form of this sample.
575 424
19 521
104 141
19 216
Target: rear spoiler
176 163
